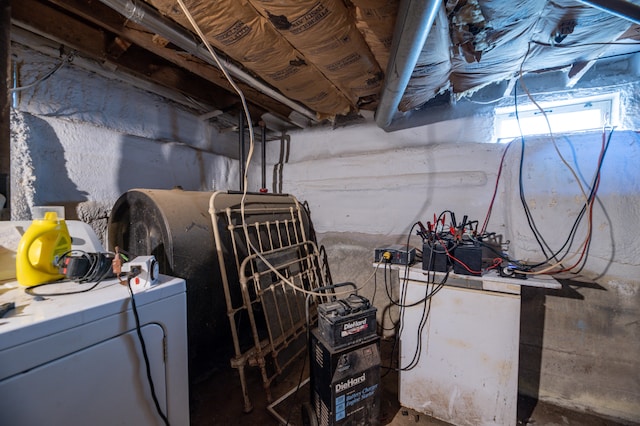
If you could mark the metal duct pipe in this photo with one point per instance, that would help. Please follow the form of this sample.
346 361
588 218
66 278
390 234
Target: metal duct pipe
620 8
143 14
415 18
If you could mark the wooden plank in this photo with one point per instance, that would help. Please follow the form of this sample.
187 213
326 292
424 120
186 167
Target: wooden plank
52 21
5 116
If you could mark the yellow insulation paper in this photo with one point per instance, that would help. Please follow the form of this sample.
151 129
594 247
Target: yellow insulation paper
235 28
376 20
325 32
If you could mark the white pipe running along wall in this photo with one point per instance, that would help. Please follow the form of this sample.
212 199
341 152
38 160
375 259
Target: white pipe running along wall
365 180
384 190
74 94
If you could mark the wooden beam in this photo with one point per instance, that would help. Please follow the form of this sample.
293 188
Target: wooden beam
102 45
110 20
5 113
577 71
47 20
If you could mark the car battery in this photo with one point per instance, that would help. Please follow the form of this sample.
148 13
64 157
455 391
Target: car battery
435 257
346 321
469 256
345 383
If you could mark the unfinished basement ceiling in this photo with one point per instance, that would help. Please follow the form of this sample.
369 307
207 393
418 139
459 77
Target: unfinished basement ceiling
303 62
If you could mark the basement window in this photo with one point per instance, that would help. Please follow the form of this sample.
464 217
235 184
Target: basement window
575 115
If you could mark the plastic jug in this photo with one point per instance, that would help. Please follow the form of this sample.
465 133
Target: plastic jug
45 240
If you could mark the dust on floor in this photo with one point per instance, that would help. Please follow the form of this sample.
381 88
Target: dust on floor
218 401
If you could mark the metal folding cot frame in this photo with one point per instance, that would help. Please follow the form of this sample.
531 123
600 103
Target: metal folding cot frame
269 263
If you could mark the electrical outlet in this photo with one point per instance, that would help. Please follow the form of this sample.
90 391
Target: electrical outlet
147 272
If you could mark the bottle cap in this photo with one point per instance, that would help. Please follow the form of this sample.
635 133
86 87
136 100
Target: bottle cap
48 212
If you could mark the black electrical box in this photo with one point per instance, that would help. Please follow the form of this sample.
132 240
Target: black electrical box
347 321
468 260
397 254
345 383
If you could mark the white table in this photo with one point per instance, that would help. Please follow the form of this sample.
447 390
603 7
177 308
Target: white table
467 370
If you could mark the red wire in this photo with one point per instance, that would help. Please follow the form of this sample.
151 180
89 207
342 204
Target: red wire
464 265
496 262
456 259
495 191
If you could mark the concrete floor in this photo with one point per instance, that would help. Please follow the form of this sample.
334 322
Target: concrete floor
218 401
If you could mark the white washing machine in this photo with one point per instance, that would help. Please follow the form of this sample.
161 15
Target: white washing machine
77 360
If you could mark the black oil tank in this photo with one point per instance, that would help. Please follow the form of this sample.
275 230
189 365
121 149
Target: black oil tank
175 226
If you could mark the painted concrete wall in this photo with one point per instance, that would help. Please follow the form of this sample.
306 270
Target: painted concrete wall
82 140
579 345
590 329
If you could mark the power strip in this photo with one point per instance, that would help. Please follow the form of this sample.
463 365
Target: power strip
147 270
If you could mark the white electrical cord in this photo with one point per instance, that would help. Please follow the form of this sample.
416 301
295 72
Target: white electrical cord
67 59
233 84
249 157
245 108
310 292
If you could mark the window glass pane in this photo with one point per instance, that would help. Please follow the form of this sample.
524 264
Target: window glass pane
579 115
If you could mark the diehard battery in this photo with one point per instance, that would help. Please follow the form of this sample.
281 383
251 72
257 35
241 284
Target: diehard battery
347 321
345 383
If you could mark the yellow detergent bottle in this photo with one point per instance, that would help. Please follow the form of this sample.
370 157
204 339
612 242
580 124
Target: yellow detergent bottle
46 239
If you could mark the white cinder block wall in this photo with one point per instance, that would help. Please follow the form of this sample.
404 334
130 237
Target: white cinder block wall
83 140
579 346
